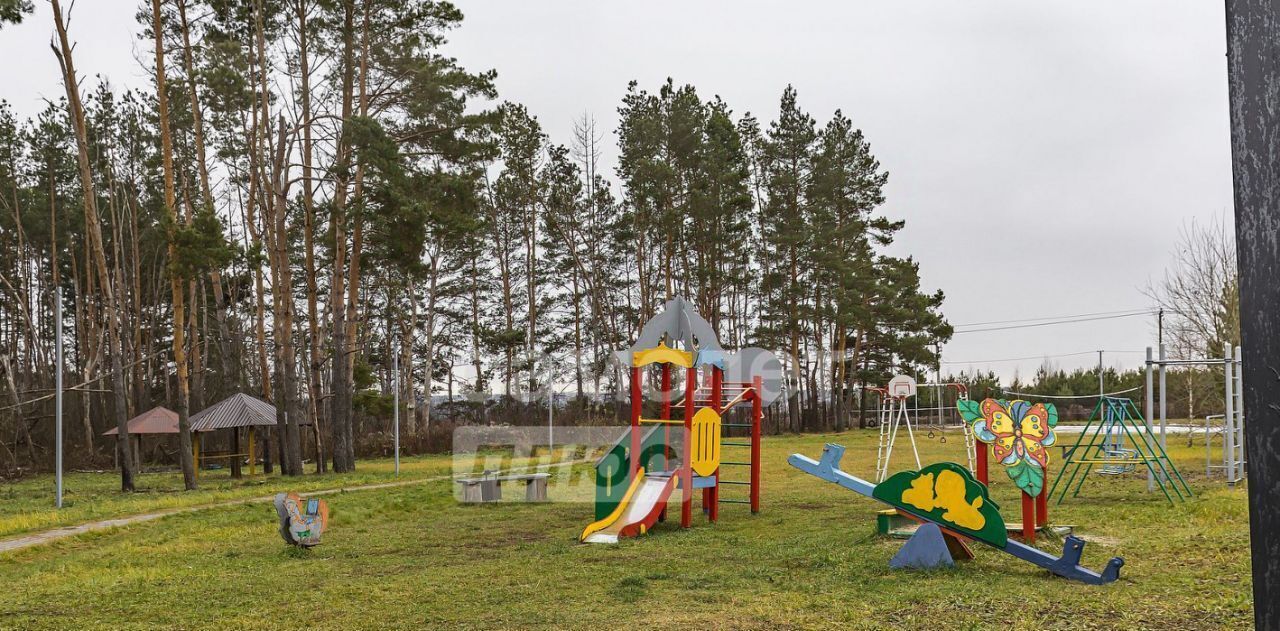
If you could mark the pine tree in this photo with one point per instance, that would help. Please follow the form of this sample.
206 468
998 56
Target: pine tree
788 157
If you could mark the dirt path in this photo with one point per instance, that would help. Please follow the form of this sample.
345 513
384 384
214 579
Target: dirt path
54 534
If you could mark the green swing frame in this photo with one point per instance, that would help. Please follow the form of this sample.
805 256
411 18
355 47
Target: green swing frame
1081 458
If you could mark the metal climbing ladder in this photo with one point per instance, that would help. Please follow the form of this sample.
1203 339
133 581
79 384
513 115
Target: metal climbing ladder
970 445
730 394
893 414
882 424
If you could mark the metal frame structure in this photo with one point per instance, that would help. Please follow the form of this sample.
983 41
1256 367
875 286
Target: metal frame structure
893 414
1088 451
1233 454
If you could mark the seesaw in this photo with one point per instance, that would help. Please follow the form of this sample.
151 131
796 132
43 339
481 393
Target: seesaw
947 495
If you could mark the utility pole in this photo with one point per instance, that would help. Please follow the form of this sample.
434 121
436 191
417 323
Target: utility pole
1101 391
1253 81
57 396
395 415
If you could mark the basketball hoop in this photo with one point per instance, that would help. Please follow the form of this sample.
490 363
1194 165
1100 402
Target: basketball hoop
902 386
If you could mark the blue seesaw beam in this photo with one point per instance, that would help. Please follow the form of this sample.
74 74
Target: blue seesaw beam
1066 566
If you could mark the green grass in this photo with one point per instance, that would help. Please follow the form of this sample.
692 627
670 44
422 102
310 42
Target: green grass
411 557
27 505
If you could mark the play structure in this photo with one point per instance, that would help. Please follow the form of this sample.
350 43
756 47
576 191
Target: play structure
948 501
895 412
1231 429
301 521
893 415
661 453
1116 440
1019 433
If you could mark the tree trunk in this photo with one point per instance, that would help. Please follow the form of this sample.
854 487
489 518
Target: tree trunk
93 233
282 285
315 365
340 410
229 371
175 278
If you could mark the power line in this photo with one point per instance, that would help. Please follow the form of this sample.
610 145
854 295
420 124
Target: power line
1055 322
1061 317
1031 357
1071 396
1018 359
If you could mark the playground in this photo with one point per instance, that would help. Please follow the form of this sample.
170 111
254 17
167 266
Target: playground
411 555
476 315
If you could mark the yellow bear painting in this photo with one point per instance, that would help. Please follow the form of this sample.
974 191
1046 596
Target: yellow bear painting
948 493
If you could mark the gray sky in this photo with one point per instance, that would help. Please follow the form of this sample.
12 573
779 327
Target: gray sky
1045 155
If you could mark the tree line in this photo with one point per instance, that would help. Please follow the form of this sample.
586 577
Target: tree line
310 193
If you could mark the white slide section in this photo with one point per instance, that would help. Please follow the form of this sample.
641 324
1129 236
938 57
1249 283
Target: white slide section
653 489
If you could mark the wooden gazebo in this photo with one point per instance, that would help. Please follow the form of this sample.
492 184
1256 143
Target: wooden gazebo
157 420
236 411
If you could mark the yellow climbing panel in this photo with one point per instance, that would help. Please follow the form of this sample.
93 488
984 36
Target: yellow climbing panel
705 448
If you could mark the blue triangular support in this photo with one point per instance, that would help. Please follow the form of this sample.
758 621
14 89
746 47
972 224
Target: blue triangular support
925 550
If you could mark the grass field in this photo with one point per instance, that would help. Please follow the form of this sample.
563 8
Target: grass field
412 557
27 505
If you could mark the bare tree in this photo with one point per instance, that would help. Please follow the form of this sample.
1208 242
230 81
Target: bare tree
1200 292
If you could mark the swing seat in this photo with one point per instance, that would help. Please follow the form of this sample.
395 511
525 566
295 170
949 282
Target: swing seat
1118 454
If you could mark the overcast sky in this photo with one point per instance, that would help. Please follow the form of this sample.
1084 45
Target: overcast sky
1044 155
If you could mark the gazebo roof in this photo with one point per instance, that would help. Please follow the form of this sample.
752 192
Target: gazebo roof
237 410
157 420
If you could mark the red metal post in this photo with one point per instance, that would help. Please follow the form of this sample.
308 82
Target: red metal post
981 453
637 399
717 385
1028 519
757 413
666 414
686 470
1042 503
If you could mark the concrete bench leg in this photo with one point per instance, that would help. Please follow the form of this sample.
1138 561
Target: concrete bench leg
535 490
491 490
471 492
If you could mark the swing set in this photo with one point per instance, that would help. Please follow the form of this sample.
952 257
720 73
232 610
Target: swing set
1117 440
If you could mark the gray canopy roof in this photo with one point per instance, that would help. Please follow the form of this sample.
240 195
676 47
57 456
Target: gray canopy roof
677 322
680 326
237 410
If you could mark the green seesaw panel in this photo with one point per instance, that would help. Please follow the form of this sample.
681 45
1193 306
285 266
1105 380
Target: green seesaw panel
948 494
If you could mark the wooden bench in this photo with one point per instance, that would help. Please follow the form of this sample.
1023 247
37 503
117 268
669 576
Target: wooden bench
488 488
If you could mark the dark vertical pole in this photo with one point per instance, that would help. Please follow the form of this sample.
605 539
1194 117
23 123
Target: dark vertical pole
235 449
1253 77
